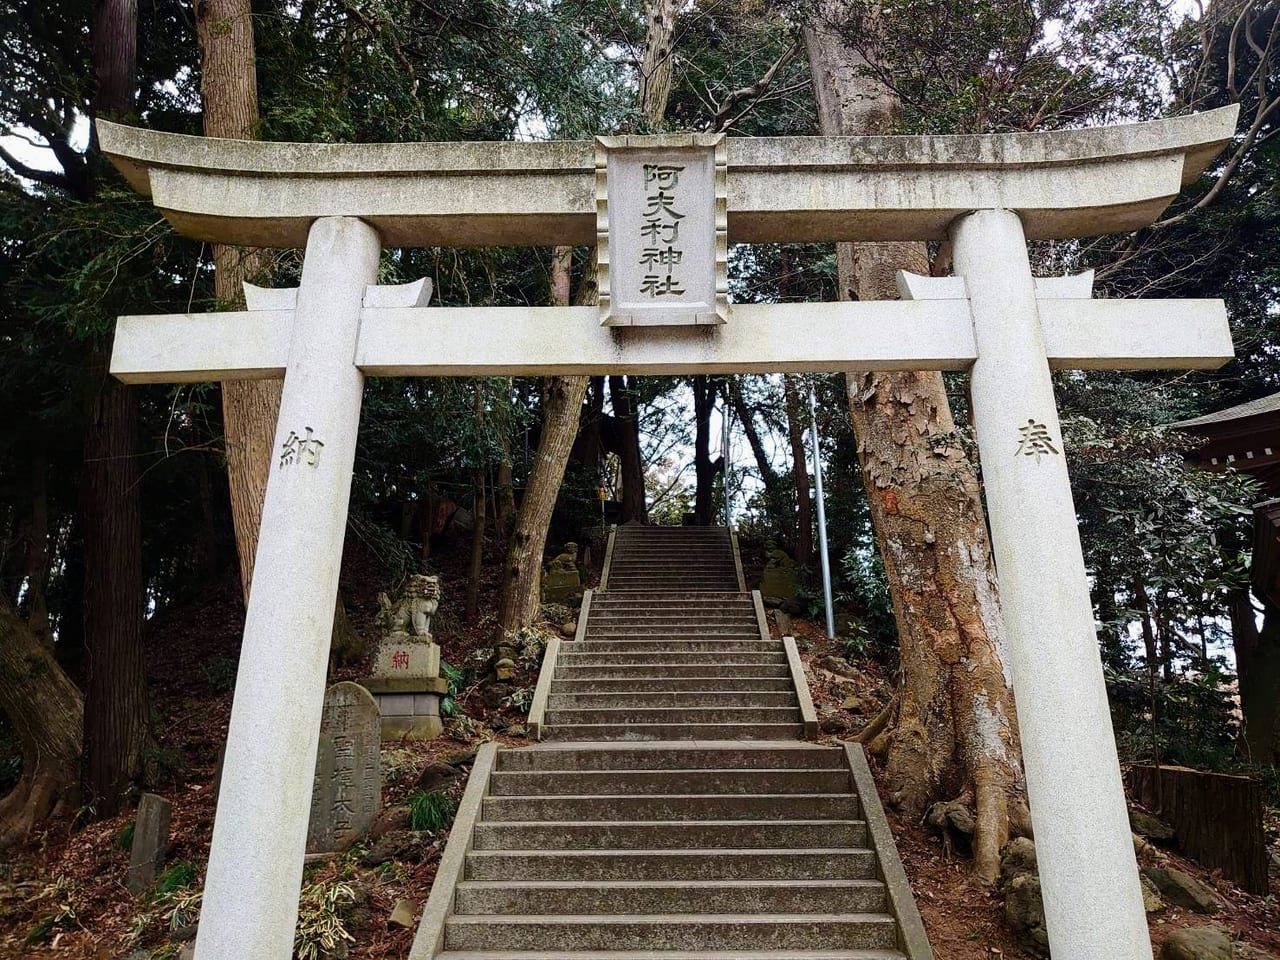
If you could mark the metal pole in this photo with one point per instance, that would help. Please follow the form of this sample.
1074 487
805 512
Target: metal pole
822 518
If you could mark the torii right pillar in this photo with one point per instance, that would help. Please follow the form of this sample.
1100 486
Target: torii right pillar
1088 873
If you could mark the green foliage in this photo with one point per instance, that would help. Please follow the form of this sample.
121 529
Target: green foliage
520 698
178 876
219 673
1188 720
431 812
456 680
323 912
124 839
58 910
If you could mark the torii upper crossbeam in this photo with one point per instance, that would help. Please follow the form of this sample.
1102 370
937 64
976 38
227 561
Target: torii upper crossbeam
988 194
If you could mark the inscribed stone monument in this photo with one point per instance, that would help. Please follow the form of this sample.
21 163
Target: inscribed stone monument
150 838
347 794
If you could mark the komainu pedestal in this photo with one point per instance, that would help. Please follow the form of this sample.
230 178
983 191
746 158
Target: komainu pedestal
405 679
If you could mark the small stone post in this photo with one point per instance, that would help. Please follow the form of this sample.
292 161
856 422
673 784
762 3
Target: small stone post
150 839
260 833
1088 874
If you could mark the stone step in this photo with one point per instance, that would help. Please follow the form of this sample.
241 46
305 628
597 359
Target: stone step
669 896
704 565
704 780
684 684
691 715
645 628
682 806
577 700
649 584
656 671
671 624
684 585
672 955
675 756
640 658
669 552
670 931
649 613
667 835
675 599
694 569
716 643
692 573
614 733
827 863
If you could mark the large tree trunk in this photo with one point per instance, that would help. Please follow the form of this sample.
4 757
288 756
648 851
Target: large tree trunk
956 734
472 606
46 712
522 576
799 471
704 468
229 92
115 56
658 63
115 709
1258 670
626 426
774 485
36 579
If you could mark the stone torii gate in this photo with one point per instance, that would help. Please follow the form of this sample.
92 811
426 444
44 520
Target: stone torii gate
988 194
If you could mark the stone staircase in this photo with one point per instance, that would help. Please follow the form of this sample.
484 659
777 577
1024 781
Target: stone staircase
666 560
673 811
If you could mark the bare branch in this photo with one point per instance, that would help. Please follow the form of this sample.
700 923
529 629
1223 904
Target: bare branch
48 177
721 118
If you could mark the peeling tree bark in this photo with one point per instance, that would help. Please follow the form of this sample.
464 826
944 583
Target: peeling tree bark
956 734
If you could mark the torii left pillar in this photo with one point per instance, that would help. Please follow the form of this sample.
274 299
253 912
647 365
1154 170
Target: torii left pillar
260 833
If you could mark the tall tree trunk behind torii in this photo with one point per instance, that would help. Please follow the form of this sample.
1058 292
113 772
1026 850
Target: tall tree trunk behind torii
522 576
799 471
956 734
626 425
250 408
229 92
115 710
657 66
1258 670
704 468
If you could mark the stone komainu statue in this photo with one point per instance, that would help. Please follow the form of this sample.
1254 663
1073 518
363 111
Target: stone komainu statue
412 613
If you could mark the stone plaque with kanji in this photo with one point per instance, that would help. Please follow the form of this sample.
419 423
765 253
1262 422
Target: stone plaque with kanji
347 795
662 230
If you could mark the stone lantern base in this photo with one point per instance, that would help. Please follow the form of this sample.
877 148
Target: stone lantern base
410 707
